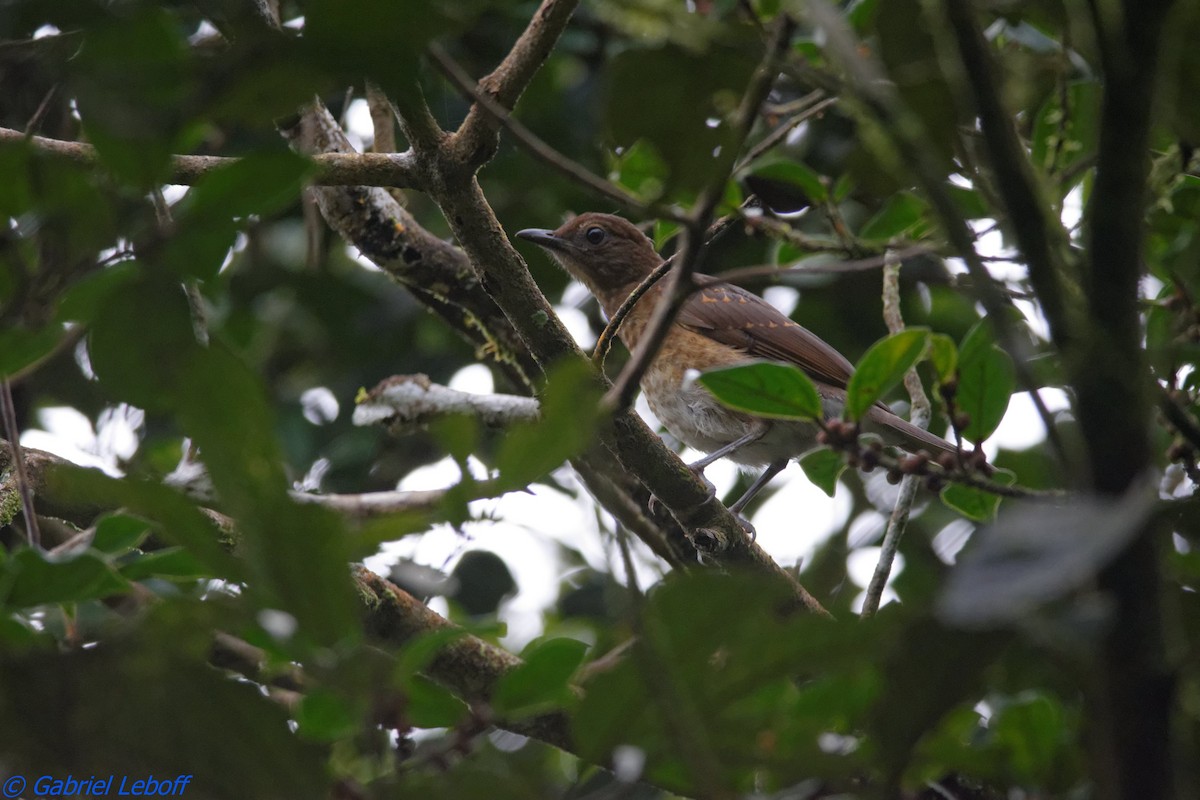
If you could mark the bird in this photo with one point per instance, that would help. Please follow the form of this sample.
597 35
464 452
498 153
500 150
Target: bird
719 325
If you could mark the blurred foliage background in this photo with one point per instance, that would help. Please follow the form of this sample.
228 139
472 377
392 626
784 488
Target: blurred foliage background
216 630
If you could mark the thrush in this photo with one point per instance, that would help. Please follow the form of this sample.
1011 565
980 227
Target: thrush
719 325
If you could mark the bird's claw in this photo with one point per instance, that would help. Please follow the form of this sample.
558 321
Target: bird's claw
747 527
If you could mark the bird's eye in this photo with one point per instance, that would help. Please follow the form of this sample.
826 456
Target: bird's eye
595 235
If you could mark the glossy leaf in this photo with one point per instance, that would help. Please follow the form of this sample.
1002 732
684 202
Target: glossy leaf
1037 553
986 380
795 174
823 467
974 503
882 367
943 354
766 389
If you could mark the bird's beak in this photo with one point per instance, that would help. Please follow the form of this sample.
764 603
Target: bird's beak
544 238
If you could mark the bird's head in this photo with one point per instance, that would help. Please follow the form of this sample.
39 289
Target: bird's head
606 253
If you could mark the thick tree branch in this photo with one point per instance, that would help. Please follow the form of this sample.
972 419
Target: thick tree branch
534 145
437 272
467 665
406 401
332 169
475 141
1131 698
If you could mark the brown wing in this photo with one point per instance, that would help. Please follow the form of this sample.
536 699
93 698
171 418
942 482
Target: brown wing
734 317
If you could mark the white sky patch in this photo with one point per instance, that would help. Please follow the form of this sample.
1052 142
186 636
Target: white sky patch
578 326
950 540
860 566
1021 427
357 257
784 298
319 405
1072 211
173 193
474 378
69 434
789 536
867 528
576 295
359 127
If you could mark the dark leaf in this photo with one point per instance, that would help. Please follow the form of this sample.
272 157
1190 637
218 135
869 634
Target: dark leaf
1037 553
542 682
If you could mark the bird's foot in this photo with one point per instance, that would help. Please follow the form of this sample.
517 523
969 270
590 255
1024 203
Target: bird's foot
747 527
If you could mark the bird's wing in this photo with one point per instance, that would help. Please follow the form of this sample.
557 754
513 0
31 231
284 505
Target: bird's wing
734 317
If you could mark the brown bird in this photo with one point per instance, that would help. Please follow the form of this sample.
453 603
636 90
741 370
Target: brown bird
720 325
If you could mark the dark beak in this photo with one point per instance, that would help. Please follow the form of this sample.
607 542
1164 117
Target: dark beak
542 237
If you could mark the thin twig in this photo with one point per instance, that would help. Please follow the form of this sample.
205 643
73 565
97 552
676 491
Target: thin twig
780 133
678 289
8 411
476 140
40 112
331 169
909 484
538 148
604 343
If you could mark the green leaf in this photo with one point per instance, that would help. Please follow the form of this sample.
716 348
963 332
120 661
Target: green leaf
900 214
21 348
429 705
543 681
154 687
32 578
767 389
795 174
421 650
943 354
173 563
930 669
117 533
640 169
134 82
986 380
1033 734
882 367
569 408
83 301
667 96
974 503
380 39
823 467
177 518
324 715
296 554
262 183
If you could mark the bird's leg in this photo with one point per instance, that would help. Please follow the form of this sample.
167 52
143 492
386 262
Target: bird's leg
773 469
756 432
